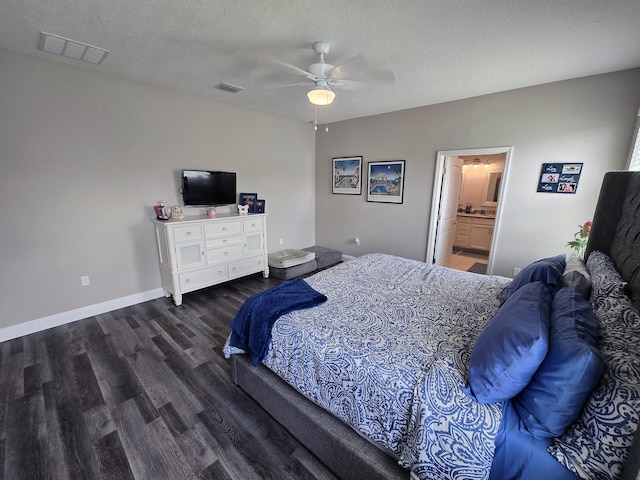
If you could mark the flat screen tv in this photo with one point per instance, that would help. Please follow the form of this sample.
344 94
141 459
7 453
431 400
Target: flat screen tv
203 188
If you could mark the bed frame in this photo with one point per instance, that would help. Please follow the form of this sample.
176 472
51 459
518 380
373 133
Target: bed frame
616 232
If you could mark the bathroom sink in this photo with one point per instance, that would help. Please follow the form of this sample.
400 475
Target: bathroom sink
479 215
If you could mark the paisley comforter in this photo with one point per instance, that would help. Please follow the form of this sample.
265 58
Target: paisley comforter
388 353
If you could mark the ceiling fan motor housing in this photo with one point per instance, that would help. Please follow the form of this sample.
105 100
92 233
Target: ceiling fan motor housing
320 70
321 48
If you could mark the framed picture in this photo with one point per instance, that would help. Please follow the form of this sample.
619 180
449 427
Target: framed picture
559 177
259 206
248 199
347 175
386 182
161 212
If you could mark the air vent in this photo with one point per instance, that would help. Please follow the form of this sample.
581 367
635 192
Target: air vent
71 49
227 87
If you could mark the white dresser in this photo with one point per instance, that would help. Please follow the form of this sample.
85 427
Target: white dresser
198 252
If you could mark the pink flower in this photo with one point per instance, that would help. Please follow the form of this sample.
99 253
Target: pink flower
586 228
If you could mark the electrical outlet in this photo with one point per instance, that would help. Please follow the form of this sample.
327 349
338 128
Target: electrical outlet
516 271
85 280
357 241
282 241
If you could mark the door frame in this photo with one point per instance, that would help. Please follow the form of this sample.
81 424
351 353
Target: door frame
437 190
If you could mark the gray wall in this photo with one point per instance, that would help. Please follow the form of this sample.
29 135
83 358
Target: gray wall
84 157
588 120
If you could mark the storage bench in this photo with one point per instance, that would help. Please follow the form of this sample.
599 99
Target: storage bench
288 264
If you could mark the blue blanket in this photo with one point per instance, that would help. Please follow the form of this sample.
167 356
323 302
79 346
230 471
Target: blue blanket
251 327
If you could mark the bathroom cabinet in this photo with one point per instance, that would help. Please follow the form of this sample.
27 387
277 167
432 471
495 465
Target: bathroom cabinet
474 232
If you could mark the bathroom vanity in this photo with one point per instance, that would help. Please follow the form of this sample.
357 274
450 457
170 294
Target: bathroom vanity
474 231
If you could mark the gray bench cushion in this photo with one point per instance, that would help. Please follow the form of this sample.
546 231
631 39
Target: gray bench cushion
325 256
295 271
290 258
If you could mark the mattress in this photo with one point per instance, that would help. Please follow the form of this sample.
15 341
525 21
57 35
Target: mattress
356 370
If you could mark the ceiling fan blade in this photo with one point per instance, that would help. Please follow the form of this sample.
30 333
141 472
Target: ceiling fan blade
351 85
297 70
340 68
298 84
360 69
268 70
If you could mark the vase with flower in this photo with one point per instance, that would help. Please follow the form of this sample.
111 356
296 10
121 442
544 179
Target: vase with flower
580 238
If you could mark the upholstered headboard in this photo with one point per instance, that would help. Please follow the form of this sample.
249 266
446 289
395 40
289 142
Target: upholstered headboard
616 227
616 232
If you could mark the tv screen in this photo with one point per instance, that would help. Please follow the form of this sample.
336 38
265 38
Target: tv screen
202 188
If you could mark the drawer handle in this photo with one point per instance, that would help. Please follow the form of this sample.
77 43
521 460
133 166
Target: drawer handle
188 280
188 234
233 268
226 254
224 229
253 225
224 241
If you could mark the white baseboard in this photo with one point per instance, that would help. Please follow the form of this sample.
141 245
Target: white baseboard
58 319
346 258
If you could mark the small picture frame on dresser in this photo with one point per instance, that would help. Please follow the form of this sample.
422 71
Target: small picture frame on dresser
259 207
248 199
161 212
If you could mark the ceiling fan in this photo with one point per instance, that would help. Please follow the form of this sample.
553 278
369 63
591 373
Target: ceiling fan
324 77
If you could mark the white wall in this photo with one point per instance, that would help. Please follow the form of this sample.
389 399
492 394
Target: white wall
84 157
588 120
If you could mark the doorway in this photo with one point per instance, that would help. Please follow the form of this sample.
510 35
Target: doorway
478 228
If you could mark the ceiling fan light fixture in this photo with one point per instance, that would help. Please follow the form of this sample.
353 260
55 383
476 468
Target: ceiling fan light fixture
321 96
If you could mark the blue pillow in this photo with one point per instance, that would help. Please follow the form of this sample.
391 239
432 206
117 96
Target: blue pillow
567 376
546 270
512 345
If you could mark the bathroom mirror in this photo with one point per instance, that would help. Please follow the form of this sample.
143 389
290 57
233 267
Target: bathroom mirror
492 189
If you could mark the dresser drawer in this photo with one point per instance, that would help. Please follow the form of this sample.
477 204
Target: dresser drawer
252 224
223 241
246 266
214 229
203 277
187 232
221 254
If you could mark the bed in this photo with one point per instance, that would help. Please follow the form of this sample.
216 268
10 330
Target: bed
442 397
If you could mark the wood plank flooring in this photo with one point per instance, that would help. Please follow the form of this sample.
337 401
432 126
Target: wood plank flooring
141 393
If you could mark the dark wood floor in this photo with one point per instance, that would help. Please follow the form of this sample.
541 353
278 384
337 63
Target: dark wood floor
141 393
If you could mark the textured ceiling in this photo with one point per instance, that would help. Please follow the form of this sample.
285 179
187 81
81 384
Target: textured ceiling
439 50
